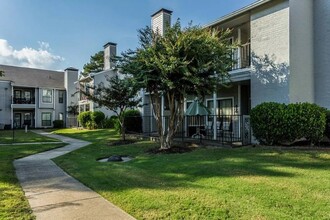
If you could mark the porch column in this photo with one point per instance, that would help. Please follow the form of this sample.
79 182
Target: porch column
239 38
239 104
11 109
185 117
214 115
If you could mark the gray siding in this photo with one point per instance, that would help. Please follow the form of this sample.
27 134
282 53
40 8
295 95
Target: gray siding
322 52
270 54
5 102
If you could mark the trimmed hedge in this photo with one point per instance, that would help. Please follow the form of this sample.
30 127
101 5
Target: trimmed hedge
91 120
58 124
133 121
275 123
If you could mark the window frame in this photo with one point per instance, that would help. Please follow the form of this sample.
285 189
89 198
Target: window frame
49 121
61 96
51 96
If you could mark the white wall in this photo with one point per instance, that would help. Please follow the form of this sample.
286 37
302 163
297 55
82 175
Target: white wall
270 45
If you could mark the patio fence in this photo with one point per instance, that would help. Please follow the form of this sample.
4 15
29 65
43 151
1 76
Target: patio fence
224 129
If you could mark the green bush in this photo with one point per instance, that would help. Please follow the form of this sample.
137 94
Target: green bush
85 118
133 121
110 122
275 123
97 118
327 127
58 124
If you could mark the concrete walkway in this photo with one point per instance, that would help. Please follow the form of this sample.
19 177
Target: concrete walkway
53 194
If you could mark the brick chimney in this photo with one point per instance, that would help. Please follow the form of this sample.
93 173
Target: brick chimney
160 20
110 50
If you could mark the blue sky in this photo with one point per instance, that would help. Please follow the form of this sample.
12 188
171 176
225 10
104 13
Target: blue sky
55 34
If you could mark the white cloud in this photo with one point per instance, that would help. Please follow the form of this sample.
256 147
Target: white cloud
29 57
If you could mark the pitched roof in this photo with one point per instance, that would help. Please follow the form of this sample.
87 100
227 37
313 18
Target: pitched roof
29 77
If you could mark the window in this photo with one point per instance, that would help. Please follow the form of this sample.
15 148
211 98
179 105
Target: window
47 95
46 119
60 116
60 96
87 107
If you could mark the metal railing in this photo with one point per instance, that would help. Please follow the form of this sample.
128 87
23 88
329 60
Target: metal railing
223 129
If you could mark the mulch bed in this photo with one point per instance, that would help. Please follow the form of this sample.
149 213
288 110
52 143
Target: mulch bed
122 142
172 150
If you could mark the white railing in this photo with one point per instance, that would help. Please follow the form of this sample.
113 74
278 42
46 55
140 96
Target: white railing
242 56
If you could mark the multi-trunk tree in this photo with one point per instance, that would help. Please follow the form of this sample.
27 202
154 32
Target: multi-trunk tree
189 61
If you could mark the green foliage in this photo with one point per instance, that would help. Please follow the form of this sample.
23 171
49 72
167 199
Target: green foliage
98 117
58 124
275 123
185 61
91 120
133 121
2 73
85 119
327 127
95 64
110 122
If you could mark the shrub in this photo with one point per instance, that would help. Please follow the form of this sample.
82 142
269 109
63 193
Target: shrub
85 118
58 124
274 123
133 121
109 122
97 119
327 127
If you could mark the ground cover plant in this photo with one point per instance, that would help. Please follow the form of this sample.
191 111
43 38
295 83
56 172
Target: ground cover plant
13 204
19 136
207 183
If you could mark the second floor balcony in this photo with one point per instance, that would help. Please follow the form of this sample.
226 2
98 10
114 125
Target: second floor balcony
242 57
23 97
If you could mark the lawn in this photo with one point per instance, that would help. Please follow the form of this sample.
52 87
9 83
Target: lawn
6 137
13 204
212 183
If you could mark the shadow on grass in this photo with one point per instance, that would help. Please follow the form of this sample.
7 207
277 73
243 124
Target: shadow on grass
181 170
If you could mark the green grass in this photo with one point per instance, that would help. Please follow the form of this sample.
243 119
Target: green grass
13 204
6 137
215 183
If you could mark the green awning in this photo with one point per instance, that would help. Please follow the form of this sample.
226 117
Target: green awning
197 108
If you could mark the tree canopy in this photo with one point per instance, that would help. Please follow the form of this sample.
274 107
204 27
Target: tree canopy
185 61
95 64
116 95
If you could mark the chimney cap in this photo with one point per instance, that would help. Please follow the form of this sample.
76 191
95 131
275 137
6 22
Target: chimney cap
162 10
109 44
71 68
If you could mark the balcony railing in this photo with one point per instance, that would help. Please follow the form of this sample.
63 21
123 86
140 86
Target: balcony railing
23 101
242 57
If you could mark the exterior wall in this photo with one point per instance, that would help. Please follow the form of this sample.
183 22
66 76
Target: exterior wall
301 51
60 107
270 53
102 78
321 52
72 97
5 102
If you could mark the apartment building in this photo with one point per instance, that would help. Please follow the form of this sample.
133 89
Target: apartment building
36 97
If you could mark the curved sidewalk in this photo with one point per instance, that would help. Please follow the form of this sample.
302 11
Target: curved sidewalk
53 194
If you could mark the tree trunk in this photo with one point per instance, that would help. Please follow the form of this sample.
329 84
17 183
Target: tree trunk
175 117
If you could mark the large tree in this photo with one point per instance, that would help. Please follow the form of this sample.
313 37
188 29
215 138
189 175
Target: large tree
95 64
188 61
117 95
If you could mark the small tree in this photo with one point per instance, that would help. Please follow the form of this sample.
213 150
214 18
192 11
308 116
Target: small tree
190 61
2 73
95 64
117 96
